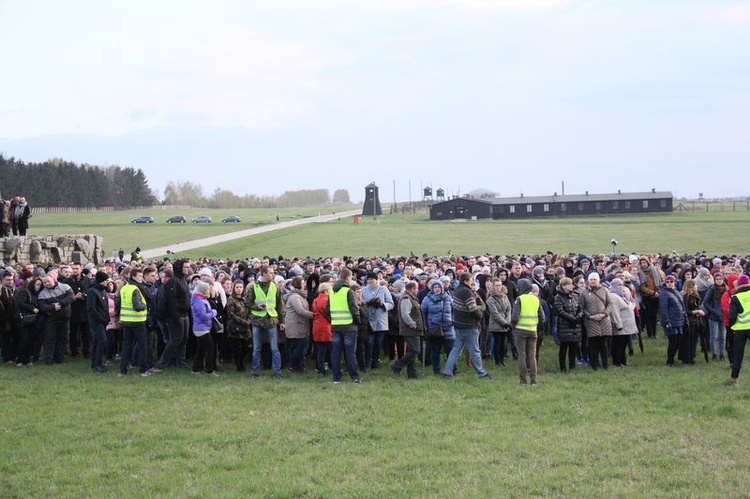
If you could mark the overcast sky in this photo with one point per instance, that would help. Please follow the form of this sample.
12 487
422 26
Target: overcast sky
515 96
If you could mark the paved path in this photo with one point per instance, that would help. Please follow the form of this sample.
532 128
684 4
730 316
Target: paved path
230 236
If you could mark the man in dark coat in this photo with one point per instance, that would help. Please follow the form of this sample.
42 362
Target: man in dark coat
97 312
79 324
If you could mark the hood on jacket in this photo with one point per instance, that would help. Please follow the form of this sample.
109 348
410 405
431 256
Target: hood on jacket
177 268
523 286
340 284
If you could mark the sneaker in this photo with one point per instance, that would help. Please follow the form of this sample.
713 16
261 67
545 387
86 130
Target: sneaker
522 382
155 370
446 376
214 374
277 376
733 382
120 375
336 382
254 376
196 373
20 364
357 381
534 383
145 375
486 376
99 370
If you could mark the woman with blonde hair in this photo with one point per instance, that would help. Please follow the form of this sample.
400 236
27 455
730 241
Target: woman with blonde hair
321 330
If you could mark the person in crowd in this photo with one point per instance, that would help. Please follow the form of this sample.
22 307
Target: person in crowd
393 343
712 305
526 316
364 332
651 279
623 319
499 326
20 216
177 313
692 333
343 310
238 324
725 300
597 311
28 309
437 309
739 321
9 332
321 330
673 316
203 314
411 328
297 320
54 304
467 314
133 311
79 322
5 217
113 329
570 314
379 302
264 302
97 312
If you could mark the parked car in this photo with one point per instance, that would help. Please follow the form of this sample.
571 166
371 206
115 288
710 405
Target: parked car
231 220
177 219
203 219
142 220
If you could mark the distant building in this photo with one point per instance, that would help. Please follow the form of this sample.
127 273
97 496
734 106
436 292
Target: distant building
620 203
372 201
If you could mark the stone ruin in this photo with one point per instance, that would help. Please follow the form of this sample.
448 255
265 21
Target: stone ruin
51 250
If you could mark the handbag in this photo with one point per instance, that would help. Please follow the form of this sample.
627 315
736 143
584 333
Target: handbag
216 326
28 320
436 334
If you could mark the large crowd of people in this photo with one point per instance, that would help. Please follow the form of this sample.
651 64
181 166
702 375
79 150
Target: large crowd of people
354 314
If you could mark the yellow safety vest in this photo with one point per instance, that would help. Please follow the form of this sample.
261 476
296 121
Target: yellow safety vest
528 319
340 313
127 312
269 299
743 319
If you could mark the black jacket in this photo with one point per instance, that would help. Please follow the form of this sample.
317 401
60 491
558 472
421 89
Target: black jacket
97 305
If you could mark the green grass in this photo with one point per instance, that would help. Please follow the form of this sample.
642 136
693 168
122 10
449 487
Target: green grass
717 233
645 430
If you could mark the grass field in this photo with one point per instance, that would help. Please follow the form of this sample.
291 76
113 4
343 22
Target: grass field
642 431
716 233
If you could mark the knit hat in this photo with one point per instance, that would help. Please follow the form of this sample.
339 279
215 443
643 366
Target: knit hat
594 276
616 282
201 287
670 278
703 272
399 286
205 271
101 277
743 280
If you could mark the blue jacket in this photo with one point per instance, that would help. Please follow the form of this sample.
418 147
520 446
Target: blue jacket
437 310
202 313
672 307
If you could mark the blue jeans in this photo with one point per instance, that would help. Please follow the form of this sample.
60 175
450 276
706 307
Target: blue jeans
273 341
718 332
470 339
346 340
296 349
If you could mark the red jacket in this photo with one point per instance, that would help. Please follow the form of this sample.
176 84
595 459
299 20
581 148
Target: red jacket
321 330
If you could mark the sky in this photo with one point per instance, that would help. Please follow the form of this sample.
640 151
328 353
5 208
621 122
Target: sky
512 96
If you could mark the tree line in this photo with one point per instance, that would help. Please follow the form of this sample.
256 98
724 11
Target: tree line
56 182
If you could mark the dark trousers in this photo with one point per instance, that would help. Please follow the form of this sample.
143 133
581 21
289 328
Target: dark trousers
364 352
598 351
375 341
436 349
9 343
649 310
500 346
114 338
240 350
568 349
296 348
204 351
26 338
322 355
413 348
79 339
619 349
55 341
133 334
394 346
98 342
175 348
673 345
740 338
